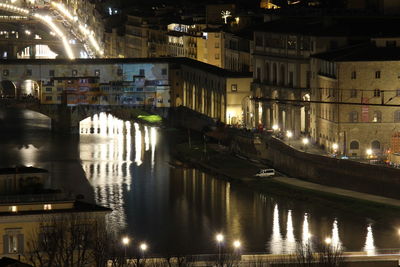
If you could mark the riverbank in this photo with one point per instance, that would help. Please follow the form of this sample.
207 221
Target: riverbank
217 160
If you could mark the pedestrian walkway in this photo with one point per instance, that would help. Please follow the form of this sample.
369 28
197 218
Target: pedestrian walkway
338 191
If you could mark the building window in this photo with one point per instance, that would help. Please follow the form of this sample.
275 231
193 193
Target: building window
377 93
397 92
353 116
49 89
216 56
353 93
234 87
97 73
216 35
163 71
141 72
391 43
59 89
74 73
217 45
377 74
377 116
29 72
49 98
354 145
47 207
52 73
353 75
13 208
376 145
13 241
397 116
6 72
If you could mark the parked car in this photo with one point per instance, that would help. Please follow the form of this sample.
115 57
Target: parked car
266 173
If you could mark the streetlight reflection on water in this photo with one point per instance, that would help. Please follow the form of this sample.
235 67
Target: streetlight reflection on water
112 151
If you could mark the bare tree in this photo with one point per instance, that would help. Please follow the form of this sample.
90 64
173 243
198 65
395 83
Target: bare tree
65 241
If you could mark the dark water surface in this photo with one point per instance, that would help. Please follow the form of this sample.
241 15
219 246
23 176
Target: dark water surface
125 166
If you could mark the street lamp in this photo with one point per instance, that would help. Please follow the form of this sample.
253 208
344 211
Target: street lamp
305 143
237 244
335 147
125 242
328 240
275 127
289 135
220 239
369 154
143 248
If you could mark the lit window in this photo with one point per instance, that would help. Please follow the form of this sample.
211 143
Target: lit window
47 207
13 208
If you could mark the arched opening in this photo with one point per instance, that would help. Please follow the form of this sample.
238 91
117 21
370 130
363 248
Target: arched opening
282 76
376 145
8 89
266 73
29 88
274 73
354 145
275 109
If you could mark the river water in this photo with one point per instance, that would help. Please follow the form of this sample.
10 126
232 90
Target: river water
125 166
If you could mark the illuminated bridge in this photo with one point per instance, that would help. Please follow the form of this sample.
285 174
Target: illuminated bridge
47 31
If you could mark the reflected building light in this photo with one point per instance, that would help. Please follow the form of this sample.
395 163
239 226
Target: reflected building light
335 235
146 138
306 232
290 241
153 139
276 239
369 246
138 145
128 126
28 155
103 124
120 140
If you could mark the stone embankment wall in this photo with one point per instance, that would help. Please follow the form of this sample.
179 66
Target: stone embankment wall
347 174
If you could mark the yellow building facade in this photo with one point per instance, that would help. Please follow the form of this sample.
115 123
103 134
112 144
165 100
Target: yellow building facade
358 97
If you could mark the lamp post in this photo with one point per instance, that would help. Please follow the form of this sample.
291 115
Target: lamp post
275 128
125 242
328 241
289 135
143 248
335 147
305 143
220 239
369 154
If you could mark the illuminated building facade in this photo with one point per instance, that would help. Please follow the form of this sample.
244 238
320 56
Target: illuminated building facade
356 85
150 82
283 65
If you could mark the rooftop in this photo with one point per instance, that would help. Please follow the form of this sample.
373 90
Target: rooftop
334 26
167 60
362 52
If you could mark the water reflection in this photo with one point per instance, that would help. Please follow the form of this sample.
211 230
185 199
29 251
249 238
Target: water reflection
290 240
369 246
276 238
335 236
107 160
306 235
